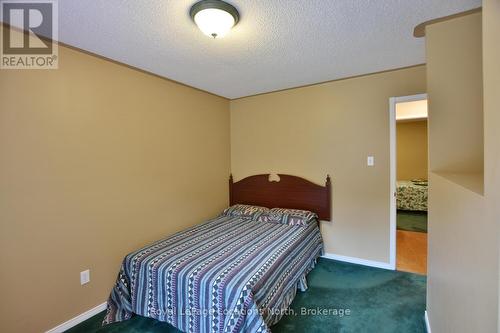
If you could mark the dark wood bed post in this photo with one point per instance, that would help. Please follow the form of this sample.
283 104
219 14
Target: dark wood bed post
328 185
230 189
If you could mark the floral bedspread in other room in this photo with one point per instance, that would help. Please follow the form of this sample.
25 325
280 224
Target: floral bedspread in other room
412 195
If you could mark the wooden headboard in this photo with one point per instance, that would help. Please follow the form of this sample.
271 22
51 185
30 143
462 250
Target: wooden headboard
288 192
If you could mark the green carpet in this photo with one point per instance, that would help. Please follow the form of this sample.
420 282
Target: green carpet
412 221
378 301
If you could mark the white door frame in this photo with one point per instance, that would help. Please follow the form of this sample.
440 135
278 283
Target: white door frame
392 137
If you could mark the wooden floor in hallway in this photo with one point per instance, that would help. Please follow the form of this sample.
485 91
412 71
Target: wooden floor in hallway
411 253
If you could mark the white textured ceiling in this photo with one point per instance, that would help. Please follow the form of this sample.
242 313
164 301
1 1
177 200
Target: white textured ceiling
277 44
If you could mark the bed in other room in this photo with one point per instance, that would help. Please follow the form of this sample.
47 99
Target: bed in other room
412 195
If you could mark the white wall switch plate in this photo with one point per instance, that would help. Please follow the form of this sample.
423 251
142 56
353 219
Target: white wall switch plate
370 161
85 277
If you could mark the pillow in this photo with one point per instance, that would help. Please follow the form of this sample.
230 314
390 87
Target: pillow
421 182
295 217
247 211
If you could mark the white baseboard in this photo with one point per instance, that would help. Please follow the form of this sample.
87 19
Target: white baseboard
78 319
427 323
359 261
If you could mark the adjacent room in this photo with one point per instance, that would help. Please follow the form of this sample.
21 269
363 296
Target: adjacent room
214 166
412 184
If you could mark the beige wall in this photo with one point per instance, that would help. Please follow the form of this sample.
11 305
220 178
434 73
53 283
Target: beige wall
491 70
411 143
462 281
324 129
455 71
462 270
97 160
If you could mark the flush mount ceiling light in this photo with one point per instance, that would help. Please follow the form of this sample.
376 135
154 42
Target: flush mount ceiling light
214 17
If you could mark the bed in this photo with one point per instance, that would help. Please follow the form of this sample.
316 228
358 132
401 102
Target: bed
412 195
230 273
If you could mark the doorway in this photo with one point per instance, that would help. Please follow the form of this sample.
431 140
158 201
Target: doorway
408 183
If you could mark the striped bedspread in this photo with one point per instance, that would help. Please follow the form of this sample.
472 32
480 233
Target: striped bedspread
229 274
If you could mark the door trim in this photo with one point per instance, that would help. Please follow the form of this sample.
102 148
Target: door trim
393 158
